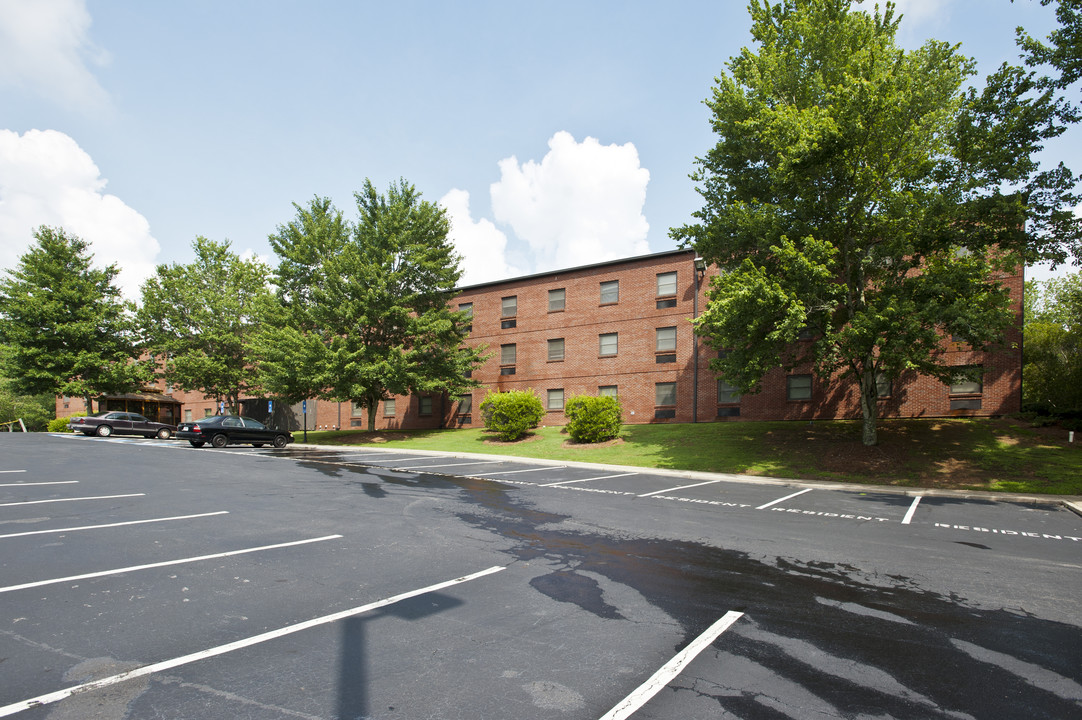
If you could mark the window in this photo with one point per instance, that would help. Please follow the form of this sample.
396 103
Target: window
607 391
666 339
798 387
666 284
508 356
556 300
356 409
467 308
389 408
608 344
665 393
426 405
556 350
556 399
207 412
187 416
465 404
967 382
610 292
883 386
727 393
508 311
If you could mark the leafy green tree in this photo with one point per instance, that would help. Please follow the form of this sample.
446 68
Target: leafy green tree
860 201
64 328
34 410
365 307
1052 345
200 319
1063 49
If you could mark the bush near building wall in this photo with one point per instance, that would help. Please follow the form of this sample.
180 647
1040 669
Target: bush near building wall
511 414
592 419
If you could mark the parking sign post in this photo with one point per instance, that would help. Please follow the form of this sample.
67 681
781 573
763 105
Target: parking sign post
304 411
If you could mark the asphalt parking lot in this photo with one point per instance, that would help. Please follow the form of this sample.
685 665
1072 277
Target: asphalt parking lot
147 579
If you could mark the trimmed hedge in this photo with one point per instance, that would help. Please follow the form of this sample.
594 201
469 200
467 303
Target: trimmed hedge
593 419
511 414
60 425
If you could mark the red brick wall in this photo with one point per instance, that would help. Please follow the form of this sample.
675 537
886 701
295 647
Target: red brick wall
634 369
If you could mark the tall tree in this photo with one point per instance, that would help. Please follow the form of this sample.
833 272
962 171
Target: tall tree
1052 369
860 193
366 307
200 318
1063 47
64 328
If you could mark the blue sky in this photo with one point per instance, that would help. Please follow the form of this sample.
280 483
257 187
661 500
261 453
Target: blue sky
556 133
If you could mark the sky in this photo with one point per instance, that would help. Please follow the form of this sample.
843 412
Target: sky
555 134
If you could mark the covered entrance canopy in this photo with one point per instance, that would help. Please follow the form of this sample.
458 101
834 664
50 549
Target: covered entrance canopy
153 406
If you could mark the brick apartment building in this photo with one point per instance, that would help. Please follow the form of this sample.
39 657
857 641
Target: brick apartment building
623 327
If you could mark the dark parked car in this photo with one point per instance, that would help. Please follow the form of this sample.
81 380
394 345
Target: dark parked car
120 423
222 430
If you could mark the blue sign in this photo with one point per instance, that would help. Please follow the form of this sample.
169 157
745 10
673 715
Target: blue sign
270 406
304 406
221 407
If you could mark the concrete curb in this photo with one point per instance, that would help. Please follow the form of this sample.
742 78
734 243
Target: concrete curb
1072 503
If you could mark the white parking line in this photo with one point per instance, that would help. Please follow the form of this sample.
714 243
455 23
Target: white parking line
512 472
424 467
600 477
98 497
912 509
629 705
779 500
230 647
32 484
11 471
167 563
112 525
682 487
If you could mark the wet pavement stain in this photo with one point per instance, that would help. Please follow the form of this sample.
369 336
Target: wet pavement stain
832 629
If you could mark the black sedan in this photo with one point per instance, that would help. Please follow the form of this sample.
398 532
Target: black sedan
222 430
105 424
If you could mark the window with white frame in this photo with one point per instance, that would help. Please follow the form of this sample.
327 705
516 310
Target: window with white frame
556 399
727 394
556 349
798 388
666 339
556 300
607 391
666 284
608 344
665 394
610 292
389 407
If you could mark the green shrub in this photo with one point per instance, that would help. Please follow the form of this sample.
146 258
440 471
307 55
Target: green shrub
593 419
59 425
511 414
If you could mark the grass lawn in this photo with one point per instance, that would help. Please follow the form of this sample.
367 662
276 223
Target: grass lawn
1001 454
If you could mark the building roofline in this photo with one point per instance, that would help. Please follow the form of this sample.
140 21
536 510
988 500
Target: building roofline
560 271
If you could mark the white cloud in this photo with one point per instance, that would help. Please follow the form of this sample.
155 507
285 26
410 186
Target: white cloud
45 48
47 179
481 244
581 204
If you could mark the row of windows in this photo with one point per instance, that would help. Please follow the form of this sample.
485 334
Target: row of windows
608 345
609 294
797 388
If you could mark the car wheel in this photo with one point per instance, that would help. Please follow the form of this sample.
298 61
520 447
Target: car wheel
164 434
104 431
280 441
196 443
257 444
219 441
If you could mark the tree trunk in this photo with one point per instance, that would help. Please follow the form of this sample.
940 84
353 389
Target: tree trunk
89 404
869 406
372 405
